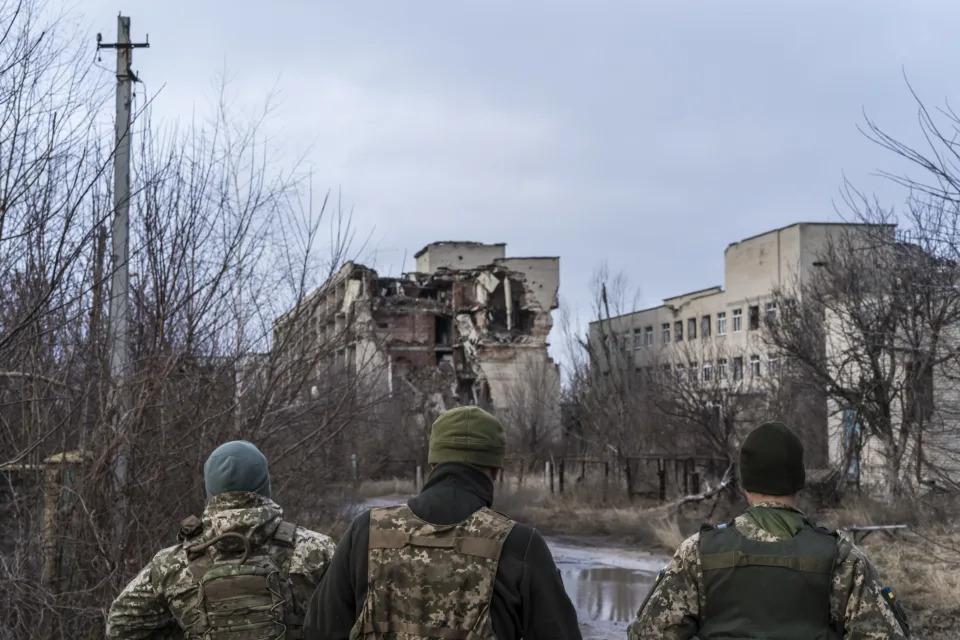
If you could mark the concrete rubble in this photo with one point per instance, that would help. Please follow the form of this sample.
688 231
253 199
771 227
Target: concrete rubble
459 330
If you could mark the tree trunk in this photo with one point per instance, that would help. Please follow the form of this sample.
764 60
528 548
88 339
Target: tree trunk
892 485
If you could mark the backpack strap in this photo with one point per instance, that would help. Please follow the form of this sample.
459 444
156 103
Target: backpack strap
285 533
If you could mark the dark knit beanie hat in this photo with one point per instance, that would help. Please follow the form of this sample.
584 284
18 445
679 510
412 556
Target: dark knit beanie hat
468 434
236 466
771 461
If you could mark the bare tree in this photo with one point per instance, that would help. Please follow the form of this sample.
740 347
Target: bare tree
869 327
534 408
608 412
226 239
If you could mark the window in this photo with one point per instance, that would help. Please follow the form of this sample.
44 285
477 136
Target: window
754 317
637 339
851 442
737 320
755 366
681 372
738 368
770 310
722 369
691 329
705 327
722 323
666 333
648 337
707 372
694 372
773 365
678 331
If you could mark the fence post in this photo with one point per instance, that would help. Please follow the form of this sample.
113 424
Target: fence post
662 480
560 475
548 471
419 479
606 478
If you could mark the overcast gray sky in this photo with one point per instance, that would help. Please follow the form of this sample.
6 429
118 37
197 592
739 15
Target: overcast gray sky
645 134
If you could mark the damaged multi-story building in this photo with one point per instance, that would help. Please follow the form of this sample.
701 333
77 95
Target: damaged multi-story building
469 326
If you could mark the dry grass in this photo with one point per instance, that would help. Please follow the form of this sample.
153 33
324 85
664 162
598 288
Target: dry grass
576 513
921 565
390 487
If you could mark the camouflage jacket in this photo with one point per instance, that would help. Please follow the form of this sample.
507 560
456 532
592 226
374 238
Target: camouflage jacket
859 608
155 602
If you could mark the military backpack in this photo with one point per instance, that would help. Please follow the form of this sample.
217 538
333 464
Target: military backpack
243 591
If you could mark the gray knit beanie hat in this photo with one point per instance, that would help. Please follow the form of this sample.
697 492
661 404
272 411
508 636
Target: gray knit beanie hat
236 466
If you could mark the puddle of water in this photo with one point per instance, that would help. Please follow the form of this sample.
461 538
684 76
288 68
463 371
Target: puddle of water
605 583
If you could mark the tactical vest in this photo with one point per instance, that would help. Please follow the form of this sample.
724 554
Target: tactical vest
243 592
767 590
431 581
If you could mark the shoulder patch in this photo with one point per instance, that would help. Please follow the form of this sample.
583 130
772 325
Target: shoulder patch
898 611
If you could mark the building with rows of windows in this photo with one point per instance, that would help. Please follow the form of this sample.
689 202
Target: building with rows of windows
714 335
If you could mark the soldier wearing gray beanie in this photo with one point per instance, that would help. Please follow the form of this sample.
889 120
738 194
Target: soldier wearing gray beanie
236 466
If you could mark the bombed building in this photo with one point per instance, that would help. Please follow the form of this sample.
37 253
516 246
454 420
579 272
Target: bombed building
469 326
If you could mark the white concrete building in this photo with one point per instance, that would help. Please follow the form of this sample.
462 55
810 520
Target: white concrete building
715 333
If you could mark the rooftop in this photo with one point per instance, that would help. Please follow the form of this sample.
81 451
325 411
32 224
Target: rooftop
457 243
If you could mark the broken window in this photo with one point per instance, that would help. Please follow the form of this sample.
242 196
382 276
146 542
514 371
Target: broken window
722 323
705 327
738 368
681 372
737 320
771 311
648 337
637 338
443 327
722 369
694 372
465 392
678 331
428 294
691 329
773 365
755 366
665 330
754 317
919 391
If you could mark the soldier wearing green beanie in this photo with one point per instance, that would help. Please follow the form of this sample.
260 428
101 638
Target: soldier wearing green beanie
444 565
771 572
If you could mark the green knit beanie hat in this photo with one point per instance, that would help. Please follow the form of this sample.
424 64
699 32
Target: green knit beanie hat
771 461
468 434
236 466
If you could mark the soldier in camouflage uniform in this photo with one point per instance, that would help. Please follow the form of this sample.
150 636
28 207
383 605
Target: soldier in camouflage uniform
770 573
240 572
445 565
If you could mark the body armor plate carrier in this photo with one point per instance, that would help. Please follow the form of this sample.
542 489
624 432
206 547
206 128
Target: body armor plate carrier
769 590
431 581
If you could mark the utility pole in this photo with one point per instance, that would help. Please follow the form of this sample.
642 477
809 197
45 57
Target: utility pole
120 256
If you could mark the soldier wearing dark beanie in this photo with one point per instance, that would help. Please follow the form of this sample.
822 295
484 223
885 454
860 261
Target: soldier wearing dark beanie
771 461
771 572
